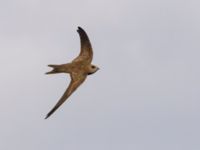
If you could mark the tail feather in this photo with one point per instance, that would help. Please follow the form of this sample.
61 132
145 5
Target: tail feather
56 69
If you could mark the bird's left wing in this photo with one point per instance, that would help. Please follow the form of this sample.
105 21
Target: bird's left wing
76 81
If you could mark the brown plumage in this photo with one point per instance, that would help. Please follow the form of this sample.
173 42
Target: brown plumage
78 69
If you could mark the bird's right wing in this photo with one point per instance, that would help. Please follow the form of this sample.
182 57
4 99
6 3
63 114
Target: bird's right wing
86 53
76 81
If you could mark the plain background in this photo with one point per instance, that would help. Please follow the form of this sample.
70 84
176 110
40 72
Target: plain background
144 97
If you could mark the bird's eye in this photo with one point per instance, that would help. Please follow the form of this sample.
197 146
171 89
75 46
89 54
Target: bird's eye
93 67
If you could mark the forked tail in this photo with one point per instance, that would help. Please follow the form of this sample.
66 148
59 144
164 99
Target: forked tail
56 69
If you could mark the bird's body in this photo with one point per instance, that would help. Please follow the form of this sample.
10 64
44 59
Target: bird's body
78 69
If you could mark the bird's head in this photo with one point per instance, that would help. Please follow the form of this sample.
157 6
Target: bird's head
92 69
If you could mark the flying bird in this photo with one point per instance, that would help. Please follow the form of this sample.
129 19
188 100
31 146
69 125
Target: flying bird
78 69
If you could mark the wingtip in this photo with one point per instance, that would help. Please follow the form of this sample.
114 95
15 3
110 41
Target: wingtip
79 29
47 116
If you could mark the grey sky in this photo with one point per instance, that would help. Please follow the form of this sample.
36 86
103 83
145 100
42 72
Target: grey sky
145 96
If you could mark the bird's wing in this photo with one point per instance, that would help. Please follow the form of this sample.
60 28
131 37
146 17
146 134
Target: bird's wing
86 53
76 81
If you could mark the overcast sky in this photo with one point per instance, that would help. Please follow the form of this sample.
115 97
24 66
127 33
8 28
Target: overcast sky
145 96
